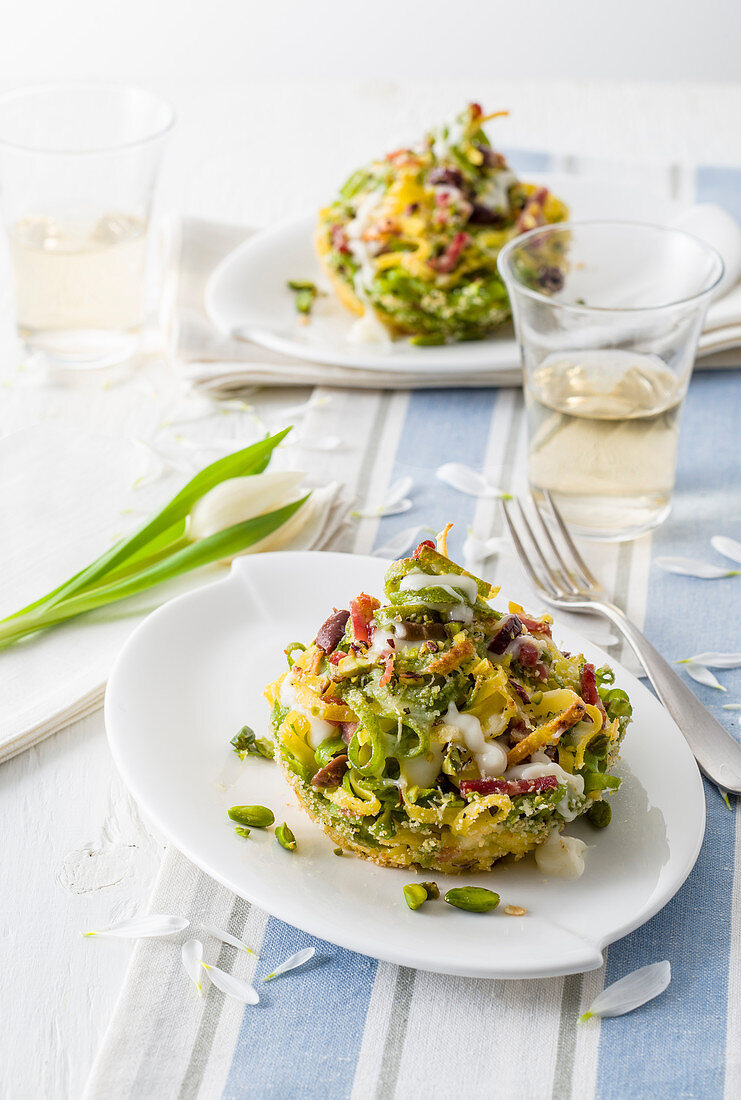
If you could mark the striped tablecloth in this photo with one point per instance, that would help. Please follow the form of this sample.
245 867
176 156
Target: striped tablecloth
351 1026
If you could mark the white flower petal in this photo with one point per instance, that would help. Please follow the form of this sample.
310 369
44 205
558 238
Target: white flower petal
703 676
691 567
292 962
320 442
394 503
192 955
227 937
714 660
631 991
398 543
467 480
191 406
149 925
477 550
731 706
233 987
395 509
398 491
729 548
238 499
316 401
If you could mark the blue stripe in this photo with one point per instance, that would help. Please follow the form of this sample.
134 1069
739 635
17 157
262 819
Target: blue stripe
527 160
675 1046
721 185
303 1040
440 426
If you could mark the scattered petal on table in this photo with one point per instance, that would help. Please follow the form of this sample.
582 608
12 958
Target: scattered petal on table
317 442
477 550
292 962
713 660
316 401
394 503
227 937
703 676
232 986
467 480
691 567
148 926
729 548
153 465
192 955
631 992
731 706
398 543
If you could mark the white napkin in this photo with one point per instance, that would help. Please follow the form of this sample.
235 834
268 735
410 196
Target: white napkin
67 496
219 364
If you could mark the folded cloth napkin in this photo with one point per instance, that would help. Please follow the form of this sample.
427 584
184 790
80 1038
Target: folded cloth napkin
217 363
68 495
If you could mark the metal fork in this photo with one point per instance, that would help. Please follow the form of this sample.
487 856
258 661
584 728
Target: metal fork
563 579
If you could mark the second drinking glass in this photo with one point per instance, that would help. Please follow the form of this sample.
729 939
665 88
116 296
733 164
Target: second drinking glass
607 316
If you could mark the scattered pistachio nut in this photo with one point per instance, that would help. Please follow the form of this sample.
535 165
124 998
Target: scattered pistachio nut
338 851
514 911
255 817
433 890
599 814
241 831
285 837
476 899
415 895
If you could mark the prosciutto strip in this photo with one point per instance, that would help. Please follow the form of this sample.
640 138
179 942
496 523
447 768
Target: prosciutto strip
509 786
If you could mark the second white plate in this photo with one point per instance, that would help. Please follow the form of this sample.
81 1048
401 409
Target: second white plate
193 674
248 292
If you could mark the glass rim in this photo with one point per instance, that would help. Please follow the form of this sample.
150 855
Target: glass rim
29 91
603 223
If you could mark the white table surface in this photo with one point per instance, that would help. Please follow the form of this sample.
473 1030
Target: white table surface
76 853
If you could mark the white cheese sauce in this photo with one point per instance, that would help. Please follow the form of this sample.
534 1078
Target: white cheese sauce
416 581
561 856
496 191
319 729
490 756
422 771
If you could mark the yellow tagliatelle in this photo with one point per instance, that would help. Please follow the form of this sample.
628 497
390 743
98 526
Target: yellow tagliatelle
547 734
293 734
491 695
466 818
348 803
554 702
272 691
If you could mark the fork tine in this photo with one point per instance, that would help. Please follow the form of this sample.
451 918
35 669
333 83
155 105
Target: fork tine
579 562
521 552
558 588
566 571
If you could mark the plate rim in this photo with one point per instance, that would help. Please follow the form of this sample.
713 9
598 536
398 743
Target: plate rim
592 957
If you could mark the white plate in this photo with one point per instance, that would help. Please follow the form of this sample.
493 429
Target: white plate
248 291
193 673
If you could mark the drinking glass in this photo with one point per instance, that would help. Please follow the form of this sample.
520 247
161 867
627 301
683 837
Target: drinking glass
607 316
78 168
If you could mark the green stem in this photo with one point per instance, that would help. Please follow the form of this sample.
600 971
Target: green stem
251 460
224 544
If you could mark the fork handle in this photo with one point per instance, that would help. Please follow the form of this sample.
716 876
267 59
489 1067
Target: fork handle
716 751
